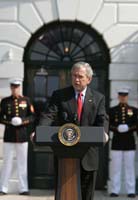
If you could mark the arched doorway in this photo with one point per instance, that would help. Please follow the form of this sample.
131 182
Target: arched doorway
55 48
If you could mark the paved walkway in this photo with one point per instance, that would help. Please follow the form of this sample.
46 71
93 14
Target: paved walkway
49 195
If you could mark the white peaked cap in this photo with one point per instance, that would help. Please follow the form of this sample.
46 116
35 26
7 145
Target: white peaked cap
15 81
123 90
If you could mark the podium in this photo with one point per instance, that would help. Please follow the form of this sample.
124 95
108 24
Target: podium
68 186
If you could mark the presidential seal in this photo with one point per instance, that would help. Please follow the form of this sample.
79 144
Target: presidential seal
69 134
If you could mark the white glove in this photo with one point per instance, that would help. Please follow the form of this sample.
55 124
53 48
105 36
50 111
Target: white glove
122 128
16 121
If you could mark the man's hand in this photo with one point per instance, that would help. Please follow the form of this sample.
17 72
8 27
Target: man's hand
32 137
106 137
16 121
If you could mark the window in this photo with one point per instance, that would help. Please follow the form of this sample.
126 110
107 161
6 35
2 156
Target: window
64 42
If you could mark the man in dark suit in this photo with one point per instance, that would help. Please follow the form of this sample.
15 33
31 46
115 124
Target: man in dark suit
79 104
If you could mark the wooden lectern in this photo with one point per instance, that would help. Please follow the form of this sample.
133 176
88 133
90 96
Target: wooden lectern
68 184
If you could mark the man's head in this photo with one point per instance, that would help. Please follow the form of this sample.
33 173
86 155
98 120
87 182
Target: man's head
123 95
81 73
15 86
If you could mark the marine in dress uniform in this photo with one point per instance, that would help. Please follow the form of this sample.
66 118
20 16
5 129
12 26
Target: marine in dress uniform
123 124
16 113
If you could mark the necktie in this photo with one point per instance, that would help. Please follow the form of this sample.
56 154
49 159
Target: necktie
79 105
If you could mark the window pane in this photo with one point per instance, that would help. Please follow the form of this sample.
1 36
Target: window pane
53 84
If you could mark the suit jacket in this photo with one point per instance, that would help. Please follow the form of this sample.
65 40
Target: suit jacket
62 108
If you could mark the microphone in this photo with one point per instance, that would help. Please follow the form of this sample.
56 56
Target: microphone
75 118
65 116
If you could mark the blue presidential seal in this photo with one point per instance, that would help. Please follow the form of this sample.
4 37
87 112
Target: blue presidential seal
69 134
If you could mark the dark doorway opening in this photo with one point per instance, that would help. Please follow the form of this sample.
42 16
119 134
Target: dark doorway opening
55 48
